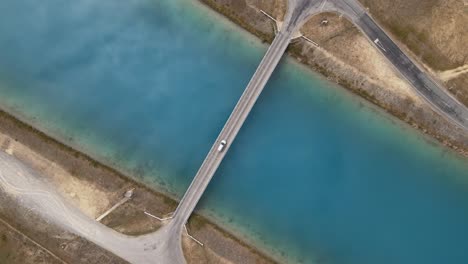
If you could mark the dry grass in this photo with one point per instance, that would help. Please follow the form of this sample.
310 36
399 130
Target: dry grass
276 8
434 30
15 248
344 41
459 87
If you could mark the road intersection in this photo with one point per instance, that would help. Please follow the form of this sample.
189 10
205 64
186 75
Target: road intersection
165 245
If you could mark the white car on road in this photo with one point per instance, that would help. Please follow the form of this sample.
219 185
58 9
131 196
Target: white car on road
222 145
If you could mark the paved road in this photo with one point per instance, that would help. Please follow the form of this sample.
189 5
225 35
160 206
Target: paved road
229 133
164 246
432 92
31 193
234 124
298 13
26 186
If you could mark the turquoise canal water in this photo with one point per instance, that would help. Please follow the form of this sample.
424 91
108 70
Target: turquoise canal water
315 176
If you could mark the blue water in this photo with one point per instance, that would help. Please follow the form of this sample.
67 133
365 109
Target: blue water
315 176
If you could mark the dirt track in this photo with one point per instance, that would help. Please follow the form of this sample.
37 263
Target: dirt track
93 188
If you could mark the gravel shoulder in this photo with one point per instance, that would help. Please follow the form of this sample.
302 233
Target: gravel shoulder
433 32
346 57
93 188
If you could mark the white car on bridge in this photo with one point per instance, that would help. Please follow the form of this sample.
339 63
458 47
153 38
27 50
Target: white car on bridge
222 145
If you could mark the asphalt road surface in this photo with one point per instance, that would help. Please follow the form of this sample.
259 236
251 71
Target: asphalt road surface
31 193
432 92
298 13
164 246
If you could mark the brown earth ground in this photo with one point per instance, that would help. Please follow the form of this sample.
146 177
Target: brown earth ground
17 248
346 57
94 188
434 31
434 35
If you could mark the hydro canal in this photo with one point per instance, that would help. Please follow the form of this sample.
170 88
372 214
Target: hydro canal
315 176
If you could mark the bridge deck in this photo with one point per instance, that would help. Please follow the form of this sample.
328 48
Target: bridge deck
232 127
169 237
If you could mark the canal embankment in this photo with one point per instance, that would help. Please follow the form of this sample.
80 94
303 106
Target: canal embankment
340 162
93 188
345 57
